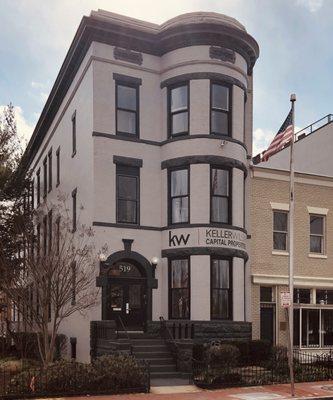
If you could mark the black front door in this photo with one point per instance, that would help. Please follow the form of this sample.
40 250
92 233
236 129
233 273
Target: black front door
127 303
267 321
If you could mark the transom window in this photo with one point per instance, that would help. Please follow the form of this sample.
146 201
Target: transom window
179 289
220 193
317 234
266 294
128 194
302 296
324 296
179 110
127 104
220 114
280 230
220 289
179 196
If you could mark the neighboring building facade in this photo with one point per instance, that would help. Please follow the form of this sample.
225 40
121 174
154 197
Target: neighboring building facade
150 128
313 277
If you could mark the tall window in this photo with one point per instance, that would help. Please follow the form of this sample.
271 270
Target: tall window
45 177
73 302
58 165
179 196
38 186
50 229
58 235
220 195
128 187
317 234
220 113
74 193
74 134
127 104
32 194
179 285
44 235
50 170
220 289
38 240
280 230
178 113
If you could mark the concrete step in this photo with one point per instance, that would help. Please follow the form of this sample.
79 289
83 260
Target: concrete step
150 349
169 375
148 342
148 355
160 361
163 368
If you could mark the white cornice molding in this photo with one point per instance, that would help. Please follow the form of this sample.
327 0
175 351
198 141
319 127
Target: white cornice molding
279 206
317 210
305 281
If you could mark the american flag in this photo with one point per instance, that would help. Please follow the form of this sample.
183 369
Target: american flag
281 139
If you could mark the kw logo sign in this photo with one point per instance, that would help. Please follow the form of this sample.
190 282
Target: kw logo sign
175 240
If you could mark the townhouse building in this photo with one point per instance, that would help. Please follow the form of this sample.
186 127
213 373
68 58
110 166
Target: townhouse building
149 128
313 276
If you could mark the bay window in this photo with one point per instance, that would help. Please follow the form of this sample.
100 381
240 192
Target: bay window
179 196
221 289
179 289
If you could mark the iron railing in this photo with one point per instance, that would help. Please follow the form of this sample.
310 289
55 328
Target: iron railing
126 333
314 126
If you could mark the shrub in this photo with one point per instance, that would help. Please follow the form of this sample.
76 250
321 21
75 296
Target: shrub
111 373
222 356
259 350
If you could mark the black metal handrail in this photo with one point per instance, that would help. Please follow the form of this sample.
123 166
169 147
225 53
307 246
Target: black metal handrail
127 335
314 126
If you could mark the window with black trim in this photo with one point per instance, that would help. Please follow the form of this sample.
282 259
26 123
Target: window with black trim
74 134
58 235
50 169
38 241
179 196
128 194
317 237
45 177
179 289
220 112
220 209
127 109
302 296
44 235
221 292
324 296
74 194
32 194
58 165
280 230
50 230
178 109
266 294
38 186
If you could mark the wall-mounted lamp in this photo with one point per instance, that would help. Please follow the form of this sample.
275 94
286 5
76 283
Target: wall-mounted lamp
154 261
102 257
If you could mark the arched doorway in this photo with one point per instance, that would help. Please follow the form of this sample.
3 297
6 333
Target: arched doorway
126 297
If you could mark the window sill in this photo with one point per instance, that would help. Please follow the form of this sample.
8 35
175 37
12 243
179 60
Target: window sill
280 253
314 255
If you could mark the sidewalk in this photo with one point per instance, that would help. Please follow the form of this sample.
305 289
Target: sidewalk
308 390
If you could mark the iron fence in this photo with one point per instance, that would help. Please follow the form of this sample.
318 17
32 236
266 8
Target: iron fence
72 380
275 370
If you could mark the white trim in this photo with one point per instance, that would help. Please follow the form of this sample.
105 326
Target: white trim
314 255
280 253
280 206
317 210
304 281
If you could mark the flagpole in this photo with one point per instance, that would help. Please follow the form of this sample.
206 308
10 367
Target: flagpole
291 248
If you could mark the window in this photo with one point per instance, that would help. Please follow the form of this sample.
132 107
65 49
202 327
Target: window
324 296
316 234
32 193
38 240
127 106
58 234
280 230
58 166
179 293
220 192
50 170
38 187
178 110
74 134
179 198
266 294
74 192
220 289
73 342
44 234
128 186
220 113
50 229
302 296
45 177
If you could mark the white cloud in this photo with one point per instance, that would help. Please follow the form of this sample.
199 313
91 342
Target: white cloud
311 5
261 140
37 85
24 128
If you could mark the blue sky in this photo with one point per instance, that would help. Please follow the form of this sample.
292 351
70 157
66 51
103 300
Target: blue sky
295 39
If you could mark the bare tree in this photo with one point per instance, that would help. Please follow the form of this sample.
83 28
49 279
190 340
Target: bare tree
53 274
